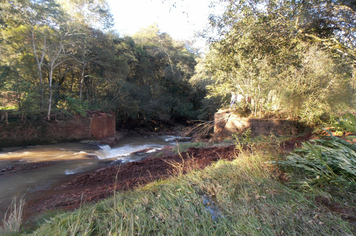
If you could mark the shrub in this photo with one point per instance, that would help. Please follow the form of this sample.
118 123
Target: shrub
328 160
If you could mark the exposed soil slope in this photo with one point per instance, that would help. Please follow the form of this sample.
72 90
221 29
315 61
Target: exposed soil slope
101 183
98 184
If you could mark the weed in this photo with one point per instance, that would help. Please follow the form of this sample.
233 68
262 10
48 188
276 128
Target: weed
200 130
243 140
158 154
346 123
326 161
13 217
183 147
268 143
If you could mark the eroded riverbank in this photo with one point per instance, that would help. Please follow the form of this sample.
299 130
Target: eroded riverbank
32 171
97 184
101 183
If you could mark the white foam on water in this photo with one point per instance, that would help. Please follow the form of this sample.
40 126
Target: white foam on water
153 150
72 171
81 152
169 138
78 168
123 153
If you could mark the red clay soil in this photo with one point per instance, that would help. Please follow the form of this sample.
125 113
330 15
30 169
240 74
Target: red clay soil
296 142
99 184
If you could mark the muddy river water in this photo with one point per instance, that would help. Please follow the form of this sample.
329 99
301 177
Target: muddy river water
63 161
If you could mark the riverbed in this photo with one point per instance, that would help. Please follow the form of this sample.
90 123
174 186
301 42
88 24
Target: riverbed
28 170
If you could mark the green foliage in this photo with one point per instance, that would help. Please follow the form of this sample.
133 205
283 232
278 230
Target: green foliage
241 197
264 54
243 140
183 147
346 123
77 106
156 86
327 161
208 107
51 61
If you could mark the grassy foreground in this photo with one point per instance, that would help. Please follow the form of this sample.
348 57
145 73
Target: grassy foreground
241 197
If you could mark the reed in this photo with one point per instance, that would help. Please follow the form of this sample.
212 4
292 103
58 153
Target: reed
13 217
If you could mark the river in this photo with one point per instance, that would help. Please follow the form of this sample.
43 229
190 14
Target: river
53 164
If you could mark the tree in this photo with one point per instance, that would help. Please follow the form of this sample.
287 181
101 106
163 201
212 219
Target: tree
37 19
64 51
39 35
158 78
264 51
89 16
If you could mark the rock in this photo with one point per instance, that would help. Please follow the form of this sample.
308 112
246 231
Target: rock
111 141
92 156
228 123
141 152
183 139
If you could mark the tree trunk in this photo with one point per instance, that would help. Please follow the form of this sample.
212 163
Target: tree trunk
50 94
82 81
39 62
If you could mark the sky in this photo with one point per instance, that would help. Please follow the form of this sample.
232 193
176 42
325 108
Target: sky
180 22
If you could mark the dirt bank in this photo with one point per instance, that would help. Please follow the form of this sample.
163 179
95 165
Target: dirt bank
99 184
96 185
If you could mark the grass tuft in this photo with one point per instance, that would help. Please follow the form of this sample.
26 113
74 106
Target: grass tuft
13 217
183 147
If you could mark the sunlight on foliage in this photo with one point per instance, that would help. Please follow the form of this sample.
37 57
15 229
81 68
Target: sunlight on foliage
327 161
239 197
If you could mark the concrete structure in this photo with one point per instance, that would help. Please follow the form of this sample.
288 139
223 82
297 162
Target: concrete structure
227 123
96 126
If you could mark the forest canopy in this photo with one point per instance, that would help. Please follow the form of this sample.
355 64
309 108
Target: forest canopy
63 56
295 57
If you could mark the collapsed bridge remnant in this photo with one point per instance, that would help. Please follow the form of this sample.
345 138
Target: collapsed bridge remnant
228 123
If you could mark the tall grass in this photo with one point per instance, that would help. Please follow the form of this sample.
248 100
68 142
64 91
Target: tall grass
245 192
330 160
13 217
183 147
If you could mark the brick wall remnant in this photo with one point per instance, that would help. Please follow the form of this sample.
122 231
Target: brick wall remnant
76 128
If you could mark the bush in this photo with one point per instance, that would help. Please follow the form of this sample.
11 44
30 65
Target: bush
330 160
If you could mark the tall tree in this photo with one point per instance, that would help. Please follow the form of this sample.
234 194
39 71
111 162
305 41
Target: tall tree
37 19
264 51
